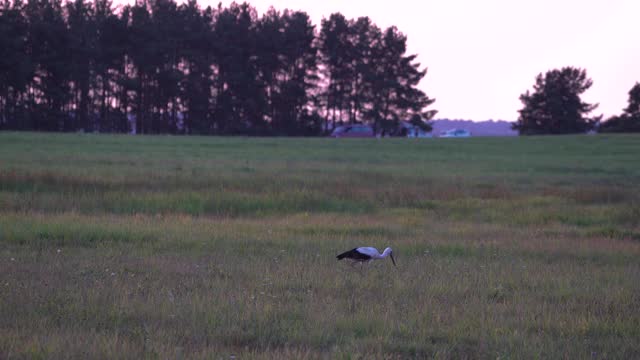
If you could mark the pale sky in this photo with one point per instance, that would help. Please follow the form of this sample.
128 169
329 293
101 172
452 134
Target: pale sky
481 55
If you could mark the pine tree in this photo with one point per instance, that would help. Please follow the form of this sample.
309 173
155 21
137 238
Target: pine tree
555 106
629 120
196 57
164 68
16 67
49 47
394 81
336 67
240 99
82 45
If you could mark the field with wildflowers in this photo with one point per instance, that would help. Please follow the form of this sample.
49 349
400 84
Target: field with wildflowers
204 247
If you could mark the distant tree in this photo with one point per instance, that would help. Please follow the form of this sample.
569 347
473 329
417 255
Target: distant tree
240 98
634 100
197 57
69 65
110 83
270 43
16 67
291 95
365 36
421 122
48 44
169 30
394 85
144 56
82 46
334 46
629 120
368 77
555 106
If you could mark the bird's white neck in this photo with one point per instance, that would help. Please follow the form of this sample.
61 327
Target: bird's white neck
385 253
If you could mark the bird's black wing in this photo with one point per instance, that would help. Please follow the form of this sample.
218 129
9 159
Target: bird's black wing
353 254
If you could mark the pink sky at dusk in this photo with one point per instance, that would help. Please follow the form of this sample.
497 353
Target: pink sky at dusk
481 55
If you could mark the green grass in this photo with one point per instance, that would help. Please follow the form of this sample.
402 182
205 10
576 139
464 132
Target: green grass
200 247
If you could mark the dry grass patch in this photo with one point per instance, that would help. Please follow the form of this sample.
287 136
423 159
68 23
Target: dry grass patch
153 247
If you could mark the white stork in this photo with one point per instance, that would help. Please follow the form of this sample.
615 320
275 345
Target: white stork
366 254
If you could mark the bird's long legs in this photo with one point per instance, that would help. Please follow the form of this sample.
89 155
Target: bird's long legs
355 263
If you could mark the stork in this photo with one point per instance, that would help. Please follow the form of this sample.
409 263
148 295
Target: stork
366 254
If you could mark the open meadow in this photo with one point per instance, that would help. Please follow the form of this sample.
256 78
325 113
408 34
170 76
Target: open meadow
200 247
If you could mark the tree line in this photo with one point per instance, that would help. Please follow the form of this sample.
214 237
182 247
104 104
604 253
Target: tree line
160 67
555 107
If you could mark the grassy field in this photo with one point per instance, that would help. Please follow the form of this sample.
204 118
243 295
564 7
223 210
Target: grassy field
196 247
